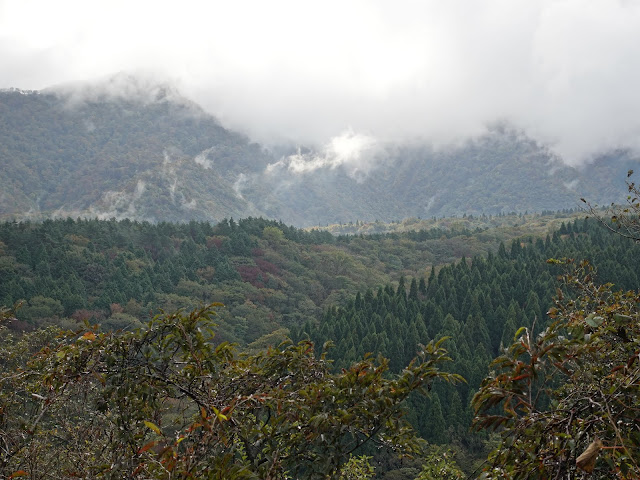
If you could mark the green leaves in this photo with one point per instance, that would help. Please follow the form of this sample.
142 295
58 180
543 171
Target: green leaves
593 320
576 382
165 401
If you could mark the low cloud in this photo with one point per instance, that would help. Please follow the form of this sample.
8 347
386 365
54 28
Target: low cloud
119 204
566 72
239 184
203 159
356 153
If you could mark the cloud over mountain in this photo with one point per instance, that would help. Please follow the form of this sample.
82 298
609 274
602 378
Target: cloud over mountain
564 71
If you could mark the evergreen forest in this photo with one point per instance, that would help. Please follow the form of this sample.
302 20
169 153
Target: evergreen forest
410 320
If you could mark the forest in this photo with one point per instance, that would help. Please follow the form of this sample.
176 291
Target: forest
267 274
161 157
252 349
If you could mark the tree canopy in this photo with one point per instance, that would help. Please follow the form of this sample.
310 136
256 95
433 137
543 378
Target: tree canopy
164 401
565 398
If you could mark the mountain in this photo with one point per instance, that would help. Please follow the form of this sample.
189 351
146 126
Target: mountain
502 171
129 148
91 152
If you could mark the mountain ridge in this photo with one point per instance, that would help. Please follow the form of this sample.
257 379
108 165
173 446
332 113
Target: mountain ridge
131 148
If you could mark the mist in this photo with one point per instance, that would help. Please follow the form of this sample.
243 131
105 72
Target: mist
364 73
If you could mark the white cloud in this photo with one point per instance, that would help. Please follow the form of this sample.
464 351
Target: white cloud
203 159
567 71
355 152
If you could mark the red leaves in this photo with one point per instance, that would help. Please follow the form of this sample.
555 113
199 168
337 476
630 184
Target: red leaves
89 336
19 473
147 446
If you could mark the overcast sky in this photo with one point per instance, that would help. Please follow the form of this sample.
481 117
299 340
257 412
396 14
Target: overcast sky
565 71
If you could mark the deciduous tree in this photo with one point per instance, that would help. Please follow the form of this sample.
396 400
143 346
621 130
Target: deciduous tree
165 401
566 398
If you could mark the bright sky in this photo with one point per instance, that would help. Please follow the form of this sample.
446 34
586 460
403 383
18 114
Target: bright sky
565 71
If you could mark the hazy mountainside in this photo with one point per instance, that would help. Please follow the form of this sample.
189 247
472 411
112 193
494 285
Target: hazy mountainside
149 154
500 172
155 160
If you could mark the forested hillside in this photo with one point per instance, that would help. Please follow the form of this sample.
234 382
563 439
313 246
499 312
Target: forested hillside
284 240
477 303
499 172
125 149
152 157
379 294
269 275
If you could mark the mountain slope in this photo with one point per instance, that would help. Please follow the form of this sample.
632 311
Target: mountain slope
126 148
123 158
500 172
